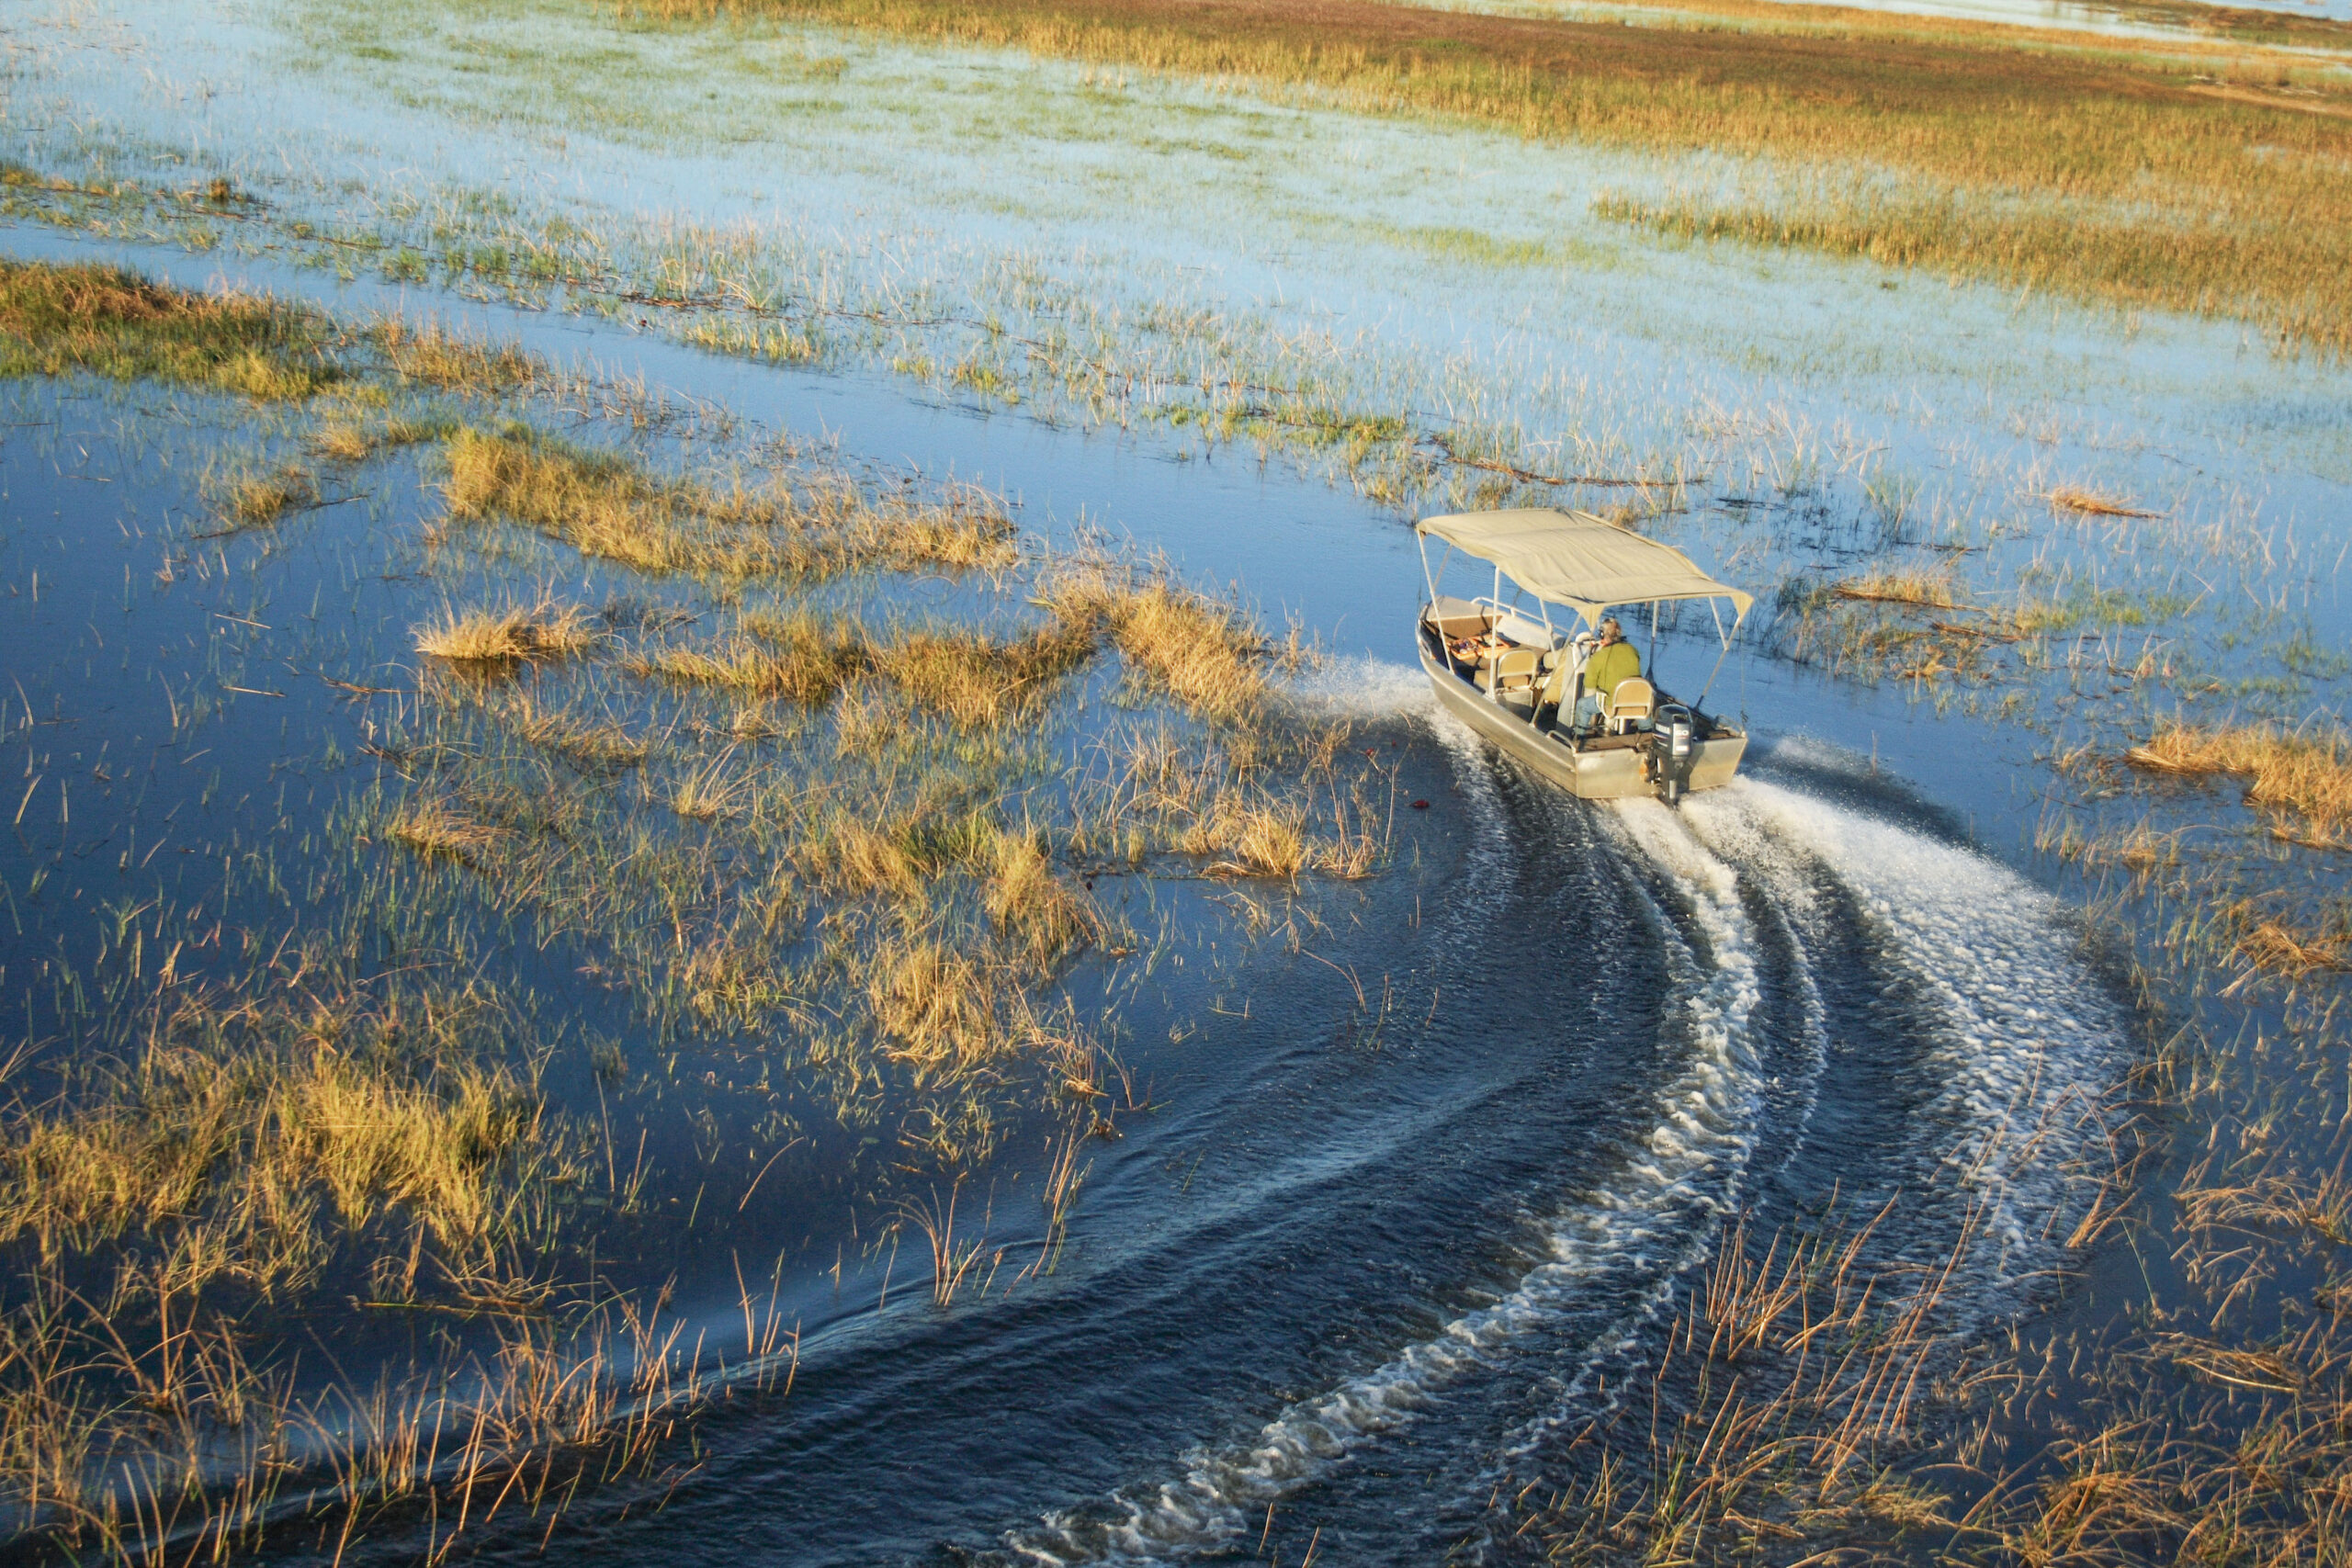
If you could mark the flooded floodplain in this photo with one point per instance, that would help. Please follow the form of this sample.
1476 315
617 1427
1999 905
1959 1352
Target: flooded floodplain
723 841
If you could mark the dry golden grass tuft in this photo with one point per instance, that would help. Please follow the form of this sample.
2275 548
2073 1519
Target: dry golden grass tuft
430 355
345 438
520 633
591 745
1932 590
257 499
849 855
708 793
973 681
1041 913
2306 777
804 657
2071 498
2273 945
438 828
342 440
934 1005
1246 831
1254 838
810 671
1205 655
609 507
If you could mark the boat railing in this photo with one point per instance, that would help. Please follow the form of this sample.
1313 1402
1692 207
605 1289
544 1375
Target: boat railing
1502 612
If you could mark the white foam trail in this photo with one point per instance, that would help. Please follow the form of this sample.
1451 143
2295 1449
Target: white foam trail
1690 1161
2024 1041
1364 687
1723 1075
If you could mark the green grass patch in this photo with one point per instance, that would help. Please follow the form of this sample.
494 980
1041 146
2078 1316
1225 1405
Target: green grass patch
56 320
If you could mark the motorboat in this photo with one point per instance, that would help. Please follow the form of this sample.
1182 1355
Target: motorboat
1503 664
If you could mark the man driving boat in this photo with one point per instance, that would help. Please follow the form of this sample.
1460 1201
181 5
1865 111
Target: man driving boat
1615 660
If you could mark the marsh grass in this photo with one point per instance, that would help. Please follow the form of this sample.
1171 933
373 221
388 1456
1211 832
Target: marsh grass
253 497
517 633
2276 943
2303 780
1930 589
2259 260
350 437
2218 1433
800 657
251 1143
964 674
976 681
708 791
1205 655
1799 1407
326 1149
936 1006
1794 1376
438 828
1039 912
241 1135
901 885
591 744
610 507
1866 628
57 320
2121 172
1924 625
431 356
2092 503
1151 792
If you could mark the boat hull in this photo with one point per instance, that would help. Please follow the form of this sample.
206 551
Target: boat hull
1611 774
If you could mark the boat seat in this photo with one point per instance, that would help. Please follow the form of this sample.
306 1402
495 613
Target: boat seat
1515 669
1634 698
1556 672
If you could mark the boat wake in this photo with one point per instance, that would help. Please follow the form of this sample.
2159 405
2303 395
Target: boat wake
1992 1043
1362 687
1660 1203
2019 1043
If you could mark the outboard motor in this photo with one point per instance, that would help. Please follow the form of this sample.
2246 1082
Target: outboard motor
1674 751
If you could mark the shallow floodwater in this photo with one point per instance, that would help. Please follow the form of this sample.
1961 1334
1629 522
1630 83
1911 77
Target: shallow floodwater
1365 1261
1418 1191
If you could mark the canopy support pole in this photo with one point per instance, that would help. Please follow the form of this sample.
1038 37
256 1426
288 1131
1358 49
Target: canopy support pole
1700 705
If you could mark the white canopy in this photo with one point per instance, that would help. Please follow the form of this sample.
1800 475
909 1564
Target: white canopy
1576 559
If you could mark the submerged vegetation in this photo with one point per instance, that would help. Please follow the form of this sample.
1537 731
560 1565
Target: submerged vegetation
2134 174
